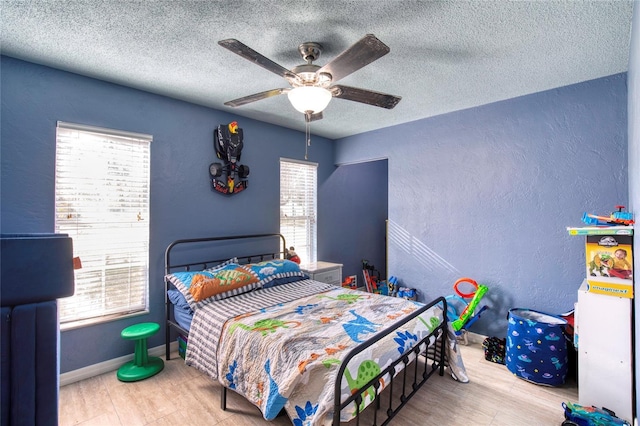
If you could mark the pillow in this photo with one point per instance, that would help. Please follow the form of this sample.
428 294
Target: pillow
277 281
178 300
223 264
182 312
270 270
201 287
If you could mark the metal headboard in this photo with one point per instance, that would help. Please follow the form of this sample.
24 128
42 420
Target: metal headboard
168 266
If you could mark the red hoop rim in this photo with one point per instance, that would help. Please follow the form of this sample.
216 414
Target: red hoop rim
466 280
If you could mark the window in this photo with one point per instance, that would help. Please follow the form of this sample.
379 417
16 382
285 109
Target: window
298 193
102 203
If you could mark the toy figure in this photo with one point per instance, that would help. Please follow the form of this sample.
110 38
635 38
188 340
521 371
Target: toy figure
393 286
292 255
227 142
601 263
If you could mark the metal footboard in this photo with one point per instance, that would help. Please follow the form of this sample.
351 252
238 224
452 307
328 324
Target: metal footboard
435 351
408 389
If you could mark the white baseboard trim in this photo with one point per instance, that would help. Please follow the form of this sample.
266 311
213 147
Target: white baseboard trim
108 366
475 338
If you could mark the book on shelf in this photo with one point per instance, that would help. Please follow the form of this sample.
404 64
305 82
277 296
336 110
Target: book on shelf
601 230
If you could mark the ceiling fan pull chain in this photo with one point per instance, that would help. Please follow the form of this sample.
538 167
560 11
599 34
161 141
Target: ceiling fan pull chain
307 119
307 134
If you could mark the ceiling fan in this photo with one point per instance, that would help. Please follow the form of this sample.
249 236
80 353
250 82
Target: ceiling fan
312 86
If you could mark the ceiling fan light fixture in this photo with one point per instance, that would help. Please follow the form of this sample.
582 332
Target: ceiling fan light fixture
309 98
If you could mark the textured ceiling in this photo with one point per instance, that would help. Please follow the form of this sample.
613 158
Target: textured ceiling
445 55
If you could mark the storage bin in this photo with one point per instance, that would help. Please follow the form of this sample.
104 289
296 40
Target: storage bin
536 347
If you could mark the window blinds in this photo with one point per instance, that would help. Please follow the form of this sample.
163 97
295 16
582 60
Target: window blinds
298 206
102 203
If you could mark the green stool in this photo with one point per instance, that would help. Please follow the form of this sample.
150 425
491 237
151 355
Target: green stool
143 365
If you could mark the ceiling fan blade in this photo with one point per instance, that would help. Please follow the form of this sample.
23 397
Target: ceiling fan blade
246 52
362 53
365 96
256 97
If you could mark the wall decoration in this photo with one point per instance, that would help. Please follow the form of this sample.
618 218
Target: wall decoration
229 177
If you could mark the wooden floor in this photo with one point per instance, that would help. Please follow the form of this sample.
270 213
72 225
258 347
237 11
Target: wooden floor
181 395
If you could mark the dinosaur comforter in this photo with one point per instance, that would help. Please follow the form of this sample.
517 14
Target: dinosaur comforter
285 351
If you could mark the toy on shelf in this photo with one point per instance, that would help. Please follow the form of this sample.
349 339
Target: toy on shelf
616 218
469 314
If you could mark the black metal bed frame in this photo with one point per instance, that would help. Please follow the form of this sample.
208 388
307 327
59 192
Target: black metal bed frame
435 352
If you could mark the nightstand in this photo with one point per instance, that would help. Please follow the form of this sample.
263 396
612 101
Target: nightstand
326 272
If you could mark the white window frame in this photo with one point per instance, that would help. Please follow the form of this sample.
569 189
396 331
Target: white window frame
299 207
102 192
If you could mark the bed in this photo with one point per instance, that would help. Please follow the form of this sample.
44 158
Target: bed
321 353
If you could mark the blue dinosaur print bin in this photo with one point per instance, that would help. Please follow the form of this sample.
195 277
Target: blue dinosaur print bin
536 347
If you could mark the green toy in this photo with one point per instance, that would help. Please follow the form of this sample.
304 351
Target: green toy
479 292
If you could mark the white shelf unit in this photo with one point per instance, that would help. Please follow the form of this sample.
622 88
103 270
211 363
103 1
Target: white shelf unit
326 272
605 352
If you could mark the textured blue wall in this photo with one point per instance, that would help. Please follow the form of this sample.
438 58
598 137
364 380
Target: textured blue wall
182 205
356 216
488 193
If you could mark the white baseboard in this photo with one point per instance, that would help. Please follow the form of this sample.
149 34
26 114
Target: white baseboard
475 338
108 366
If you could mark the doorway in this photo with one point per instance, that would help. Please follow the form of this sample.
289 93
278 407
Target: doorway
353 212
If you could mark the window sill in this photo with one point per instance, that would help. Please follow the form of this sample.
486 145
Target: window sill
72 325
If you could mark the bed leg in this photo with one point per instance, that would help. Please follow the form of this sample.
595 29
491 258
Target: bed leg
223 399
167 346
443 348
